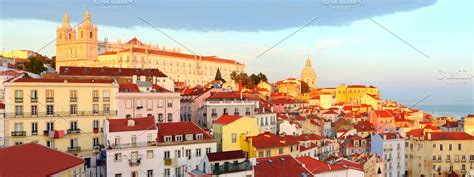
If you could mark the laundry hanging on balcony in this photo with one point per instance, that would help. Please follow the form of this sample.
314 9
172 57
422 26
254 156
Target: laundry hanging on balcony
57 133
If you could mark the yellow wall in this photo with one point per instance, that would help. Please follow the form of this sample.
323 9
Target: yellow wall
244 126
61 117
17 54
469 125
71 171
353 94
367 99
254 152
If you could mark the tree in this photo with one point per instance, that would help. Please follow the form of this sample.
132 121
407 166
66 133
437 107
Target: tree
35 65
219 76
304 87
263 77
255 79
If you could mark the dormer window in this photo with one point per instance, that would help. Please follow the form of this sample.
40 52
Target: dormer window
168 139
189 137
199 136
179 138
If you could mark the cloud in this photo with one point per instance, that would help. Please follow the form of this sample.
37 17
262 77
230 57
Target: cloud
211 15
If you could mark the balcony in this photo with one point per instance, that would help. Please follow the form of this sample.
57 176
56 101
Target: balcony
18 133
168 161
73 131
106 99
73 99
74 149
134 162
46 132
463 160
247 113
95 99
34 100
231 167
49 100
214 115
18 100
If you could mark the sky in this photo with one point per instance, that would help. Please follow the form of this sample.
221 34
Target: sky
409 49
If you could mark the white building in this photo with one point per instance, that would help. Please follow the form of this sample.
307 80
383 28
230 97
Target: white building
225 164
290 127
391 147
266 119
225 103
137 147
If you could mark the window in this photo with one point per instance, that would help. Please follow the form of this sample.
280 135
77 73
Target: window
160 117
73 109
167 172
149 173
160 103
118 157
234 137
450 147
177 153
236 111
73 95
188 153
134 139
128 104
34 110
106 108
95 108
260 153
269 153
170 117
49 95
34 128
225 111
149 104
34 96
18 96
139 104
73 125
117 140
189 137
170 103
198 152
208 150
18 127
167 138
440 147
50 143
95 141
95 95
459 146
199 136
179 138
19 110
149 154
50 126
167 154
49 110
280 151
95 124
106 95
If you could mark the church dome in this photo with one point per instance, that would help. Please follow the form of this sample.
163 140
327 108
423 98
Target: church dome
308 71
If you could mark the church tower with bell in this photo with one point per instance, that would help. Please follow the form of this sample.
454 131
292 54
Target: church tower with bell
308 74
76 47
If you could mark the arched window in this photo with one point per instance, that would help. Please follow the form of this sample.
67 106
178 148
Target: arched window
90 34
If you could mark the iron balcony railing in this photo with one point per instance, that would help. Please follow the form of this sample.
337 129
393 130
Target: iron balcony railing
231 167
95 99
74 149
73 99
134 162
61 114
73 131
18 133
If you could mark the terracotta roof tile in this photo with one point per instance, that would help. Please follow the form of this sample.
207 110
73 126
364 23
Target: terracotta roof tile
227 119
228 155
112 72
280 166
121 125
179 128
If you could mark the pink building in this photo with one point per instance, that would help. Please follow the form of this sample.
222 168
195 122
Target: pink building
382 120
144 99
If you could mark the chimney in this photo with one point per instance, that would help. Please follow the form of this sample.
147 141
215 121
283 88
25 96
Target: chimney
429 135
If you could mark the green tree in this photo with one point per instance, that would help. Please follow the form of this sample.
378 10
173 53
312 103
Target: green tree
35 65
304 87
219 76
263 77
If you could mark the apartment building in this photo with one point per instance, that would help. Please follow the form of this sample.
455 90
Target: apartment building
63 114
437 154
225 103
391 147
145 99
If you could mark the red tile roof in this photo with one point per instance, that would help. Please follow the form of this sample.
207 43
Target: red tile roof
270 140
317 166
415 132
391 135
32 160
382 113
285 166
104 71
121 125
228 155
227 119
225 95
128 88
180 128
135 41
449 136
364 126
431 126
98 81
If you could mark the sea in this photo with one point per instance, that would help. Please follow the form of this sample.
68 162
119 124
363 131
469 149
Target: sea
453 110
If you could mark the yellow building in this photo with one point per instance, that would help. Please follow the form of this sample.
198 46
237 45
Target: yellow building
63 114
438 153
17 54
469 124
82 48
228 129
268 145
290 86
354 93
371 100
